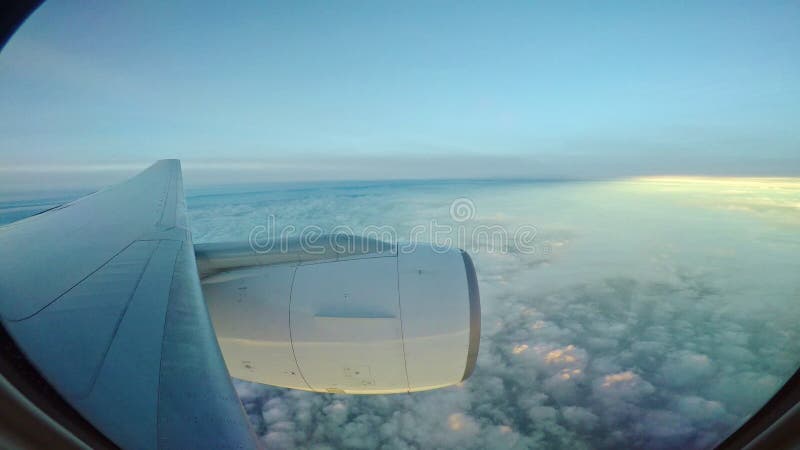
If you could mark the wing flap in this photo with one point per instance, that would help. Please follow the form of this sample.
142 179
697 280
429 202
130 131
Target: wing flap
86 323
130 372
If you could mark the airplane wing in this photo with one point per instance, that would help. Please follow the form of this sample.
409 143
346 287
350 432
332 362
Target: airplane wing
102 297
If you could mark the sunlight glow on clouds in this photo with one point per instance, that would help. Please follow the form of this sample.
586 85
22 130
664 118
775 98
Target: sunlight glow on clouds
519 349
609 380
561 355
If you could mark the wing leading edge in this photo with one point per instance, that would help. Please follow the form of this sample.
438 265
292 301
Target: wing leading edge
103 298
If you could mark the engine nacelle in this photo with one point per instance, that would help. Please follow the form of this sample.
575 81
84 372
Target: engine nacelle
369 323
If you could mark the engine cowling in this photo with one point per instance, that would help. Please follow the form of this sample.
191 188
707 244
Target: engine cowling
376 322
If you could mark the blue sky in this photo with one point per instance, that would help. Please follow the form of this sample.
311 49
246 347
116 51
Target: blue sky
318 90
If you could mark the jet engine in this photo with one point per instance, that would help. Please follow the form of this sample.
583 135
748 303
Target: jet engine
355 316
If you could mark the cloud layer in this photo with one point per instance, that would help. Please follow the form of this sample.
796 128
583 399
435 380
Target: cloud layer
651 318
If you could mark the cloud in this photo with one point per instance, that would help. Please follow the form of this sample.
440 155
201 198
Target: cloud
580 418
686 368
639 331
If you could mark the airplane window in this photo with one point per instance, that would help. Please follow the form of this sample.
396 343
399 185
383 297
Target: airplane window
625 178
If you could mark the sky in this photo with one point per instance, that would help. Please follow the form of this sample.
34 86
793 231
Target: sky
91 92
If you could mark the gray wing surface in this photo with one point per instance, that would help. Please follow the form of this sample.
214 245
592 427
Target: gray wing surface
103 298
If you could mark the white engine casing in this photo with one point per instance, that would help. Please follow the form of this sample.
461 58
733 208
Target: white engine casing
374 323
